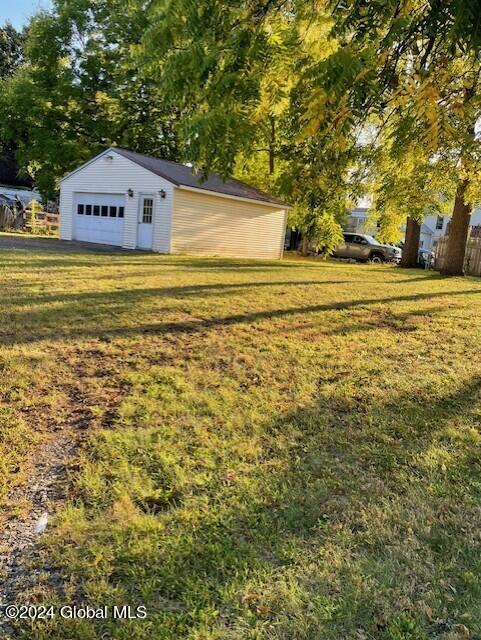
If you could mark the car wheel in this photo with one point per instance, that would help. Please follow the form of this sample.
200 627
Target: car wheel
376 258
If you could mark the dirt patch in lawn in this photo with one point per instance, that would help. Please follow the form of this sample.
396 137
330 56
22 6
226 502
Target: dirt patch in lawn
44 490
47 485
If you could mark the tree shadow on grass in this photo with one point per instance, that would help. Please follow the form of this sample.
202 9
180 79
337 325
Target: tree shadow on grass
90 256
406 322
139 294
97 315
426 277
387 494
350 523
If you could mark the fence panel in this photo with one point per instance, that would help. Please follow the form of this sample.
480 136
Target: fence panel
472 261
440 252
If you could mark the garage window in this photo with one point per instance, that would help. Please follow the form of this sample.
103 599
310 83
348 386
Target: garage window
147 211
100 210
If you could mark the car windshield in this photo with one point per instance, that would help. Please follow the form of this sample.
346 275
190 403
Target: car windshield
371 240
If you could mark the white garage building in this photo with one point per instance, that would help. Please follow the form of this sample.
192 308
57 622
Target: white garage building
134 201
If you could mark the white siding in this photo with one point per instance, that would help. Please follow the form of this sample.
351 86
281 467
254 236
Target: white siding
431 220
212 225
66 213
116 176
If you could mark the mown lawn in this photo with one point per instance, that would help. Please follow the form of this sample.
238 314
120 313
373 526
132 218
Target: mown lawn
274 450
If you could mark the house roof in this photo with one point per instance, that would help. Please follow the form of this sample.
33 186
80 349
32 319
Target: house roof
183 175
24 194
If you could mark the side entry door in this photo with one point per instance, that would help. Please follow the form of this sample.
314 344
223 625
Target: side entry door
145 222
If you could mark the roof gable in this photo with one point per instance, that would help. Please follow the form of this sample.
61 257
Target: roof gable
182 175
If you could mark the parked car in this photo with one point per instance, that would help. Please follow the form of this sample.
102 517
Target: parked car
426 259
362 247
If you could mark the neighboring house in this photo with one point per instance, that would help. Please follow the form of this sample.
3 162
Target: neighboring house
439 225
358 220
433 227
137 202
426 237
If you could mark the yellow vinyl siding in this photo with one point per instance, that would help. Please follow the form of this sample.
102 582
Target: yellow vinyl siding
211 225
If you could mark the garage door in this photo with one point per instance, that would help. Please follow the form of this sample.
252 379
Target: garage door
99 217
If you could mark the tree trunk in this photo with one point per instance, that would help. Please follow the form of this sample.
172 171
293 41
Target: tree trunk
409 258
305 246
458 234
294 240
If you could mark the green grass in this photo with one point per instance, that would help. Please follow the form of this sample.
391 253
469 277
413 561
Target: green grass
277 450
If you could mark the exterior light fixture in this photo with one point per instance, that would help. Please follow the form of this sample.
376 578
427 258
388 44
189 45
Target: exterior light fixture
162 194
130 193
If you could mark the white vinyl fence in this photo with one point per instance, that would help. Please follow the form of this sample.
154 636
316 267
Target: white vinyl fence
472 261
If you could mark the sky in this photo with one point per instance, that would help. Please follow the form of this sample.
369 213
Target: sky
18 11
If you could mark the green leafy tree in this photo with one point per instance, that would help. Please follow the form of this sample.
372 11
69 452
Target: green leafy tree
84 91
440 108
11 50
405 188
416 65
455 23
244 75
11 58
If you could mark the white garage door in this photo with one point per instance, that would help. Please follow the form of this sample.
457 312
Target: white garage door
99 217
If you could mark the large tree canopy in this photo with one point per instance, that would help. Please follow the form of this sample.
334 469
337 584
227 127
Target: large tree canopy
84 91
279 93
421 74
11 57
11 50
245 75
321 75
455 23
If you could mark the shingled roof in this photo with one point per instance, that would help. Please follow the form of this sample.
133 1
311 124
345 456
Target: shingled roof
183 175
